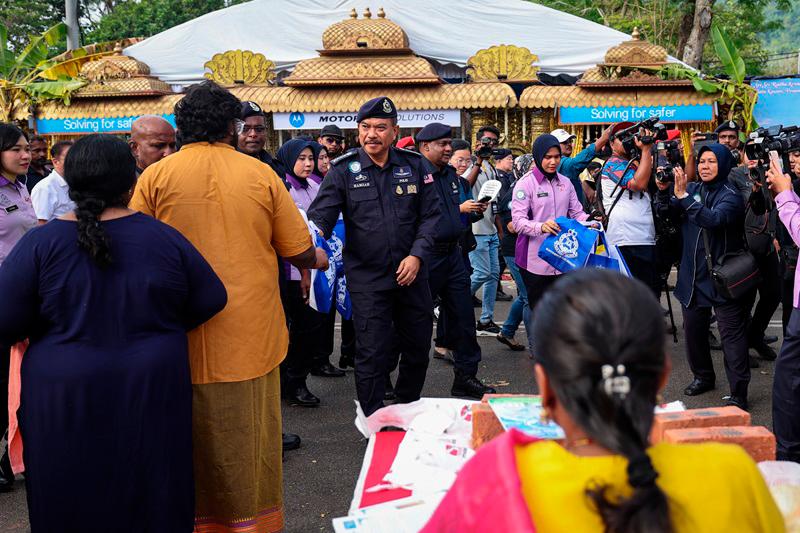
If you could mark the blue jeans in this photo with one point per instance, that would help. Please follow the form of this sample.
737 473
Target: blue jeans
486 272
520 312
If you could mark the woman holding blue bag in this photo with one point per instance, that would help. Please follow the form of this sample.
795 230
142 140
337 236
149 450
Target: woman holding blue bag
541 197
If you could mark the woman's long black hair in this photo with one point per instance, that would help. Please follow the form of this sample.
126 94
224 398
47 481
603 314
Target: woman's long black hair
100 171
591 327
9 136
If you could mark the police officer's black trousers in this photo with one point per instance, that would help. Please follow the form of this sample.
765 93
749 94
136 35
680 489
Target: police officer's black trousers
445 337
305 332
732 323
448 280
348 347
410 311
786 393
769 296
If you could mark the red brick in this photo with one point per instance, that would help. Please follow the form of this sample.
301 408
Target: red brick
485 425
698 418
757 441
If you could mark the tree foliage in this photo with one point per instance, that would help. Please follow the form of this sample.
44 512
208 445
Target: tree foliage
23 18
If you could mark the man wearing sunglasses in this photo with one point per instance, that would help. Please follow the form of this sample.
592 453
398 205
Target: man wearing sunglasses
332 138
252 136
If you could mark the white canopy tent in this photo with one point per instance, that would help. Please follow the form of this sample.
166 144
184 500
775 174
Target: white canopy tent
446 31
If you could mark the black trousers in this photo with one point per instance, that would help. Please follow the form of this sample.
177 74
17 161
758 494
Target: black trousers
786 393
305 332
348 347
732 323
769 296
536 285
787 301
444 337
642 262
410 311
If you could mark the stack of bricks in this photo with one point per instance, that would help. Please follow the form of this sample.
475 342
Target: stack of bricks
715 424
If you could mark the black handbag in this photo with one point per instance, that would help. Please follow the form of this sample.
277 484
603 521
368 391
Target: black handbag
735 275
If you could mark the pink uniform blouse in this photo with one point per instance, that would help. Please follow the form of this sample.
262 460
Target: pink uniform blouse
16 214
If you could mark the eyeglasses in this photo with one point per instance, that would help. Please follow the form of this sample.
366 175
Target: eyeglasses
238 126
257 129
333 140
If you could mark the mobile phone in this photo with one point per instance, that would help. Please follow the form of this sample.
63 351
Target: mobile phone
484 199
775 156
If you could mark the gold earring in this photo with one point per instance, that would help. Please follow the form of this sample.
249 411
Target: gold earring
544 417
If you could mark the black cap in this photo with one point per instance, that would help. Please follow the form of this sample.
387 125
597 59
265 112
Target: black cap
501 153
730 125
250 109
332 130
434 131
380 107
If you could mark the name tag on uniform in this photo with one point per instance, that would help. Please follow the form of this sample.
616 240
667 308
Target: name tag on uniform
542 194
11 208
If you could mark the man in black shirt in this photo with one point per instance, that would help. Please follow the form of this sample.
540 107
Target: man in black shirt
40 167
254 136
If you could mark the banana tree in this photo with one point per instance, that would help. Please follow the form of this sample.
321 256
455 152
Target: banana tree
735 93
32 75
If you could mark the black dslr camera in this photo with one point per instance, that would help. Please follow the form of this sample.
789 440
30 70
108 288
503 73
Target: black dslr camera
629 135
672 156
775 141
485 150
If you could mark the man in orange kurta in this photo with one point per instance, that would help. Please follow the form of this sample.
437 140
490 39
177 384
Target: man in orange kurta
238 213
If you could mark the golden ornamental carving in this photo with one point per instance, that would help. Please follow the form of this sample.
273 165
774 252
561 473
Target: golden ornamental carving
240 66
503 63
636 52
364 34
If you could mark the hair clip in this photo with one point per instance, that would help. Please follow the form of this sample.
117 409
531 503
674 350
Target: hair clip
615 384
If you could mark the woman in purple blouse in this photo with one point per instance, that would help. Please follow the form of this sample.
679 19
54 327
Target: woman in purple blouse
16 218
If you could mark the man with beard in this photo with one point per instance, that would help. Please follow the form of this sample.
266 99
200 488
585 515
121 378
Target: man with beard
40 167
332 138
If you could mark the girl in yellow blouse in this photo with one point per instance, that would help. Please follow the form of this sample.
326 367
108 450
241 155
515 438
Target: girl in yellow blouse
601 363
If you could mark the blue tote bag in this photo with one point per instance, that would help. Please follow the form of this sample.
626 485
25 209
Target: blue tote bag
607 256
571 248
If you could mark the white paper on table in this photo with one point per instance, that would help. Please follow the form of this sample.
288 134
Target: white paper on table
427 463
408 515
489 189
402 415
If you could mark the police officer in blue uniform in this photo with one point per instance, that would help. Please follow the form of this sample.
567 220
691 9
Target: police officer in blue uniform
447 275
391 210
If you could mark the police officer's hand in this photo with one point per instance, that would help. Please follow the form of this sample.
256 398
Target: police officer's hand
681 181
471 206
551 227
778 181
321 262
408 270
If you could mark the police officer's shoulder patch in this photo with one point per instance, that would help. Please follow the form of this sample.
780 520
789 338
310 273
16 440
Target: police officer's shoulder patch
520 194
344 156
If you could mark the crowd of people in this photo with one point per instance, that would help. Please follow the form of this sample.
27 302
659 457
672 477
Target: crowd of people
169 291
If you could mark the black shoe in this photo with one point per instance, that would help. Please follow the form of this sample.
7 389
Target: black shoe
486 329
476 302
388 390
327 370
510 342
735 401
445 354
770 339
503 297
6 475
713 342
698 386
290 441
764 351
347 361
302 397
469 386
753 361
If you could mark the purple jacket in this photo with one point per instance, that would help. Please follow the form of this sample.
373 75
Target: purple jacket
788 204
538 199
303 193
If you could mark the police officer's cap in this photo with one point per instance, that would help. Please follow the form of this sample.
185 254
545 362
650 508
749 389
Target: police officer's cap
730 125
250 109
332 130
501 153
381 107
433 132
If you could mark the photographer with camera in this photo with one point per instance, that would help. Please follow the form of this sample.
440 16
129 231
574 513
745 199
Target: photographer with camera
625 201
669 156
785 393
485 258
712 213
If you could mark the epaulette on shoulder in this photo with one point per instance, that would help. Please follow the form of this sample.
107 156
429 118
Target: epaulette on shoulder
344 156
404 151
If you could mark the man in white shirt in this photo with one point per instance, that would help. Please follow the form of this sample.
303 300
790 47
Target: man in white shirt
50 197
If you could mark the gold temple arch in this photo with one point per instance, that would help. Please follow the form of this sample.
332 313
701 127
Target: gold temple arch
503 63
240 67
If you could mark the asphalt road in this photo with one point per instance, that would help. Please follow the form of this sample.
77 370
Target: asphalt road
319 478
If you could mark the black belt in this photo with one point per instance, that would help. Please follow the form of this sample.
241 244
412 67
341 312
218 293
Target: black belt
444 247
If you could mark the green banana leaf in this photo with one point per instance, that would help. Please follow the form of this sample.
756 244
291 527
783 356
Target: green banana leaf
728 55
46 90
705 86
7 58
37 50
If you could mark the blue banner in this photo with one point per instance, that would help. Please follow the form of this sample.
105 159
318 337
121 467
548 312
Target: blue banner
777 102
607 115
76 126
